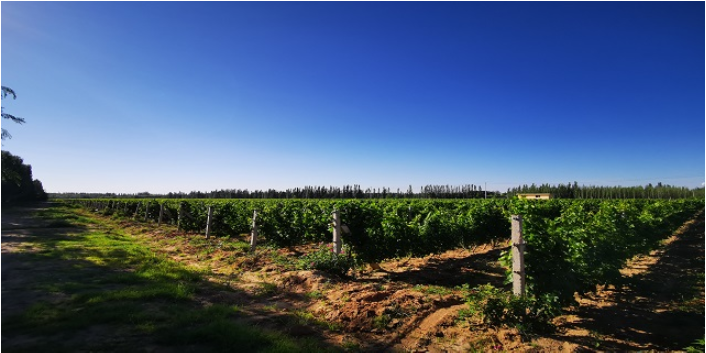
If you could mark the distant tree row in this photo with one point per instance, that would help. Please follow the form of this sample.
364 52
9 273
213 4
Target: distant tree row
17 182
312 192
469 191
574 191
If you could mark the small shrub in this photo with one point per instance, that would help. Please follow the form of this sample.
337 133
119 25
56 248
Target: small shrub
526 313
381 322
325 259
696 347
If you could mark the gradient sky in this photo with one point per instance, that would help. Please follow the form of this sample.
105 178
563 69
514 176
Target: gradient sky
164 96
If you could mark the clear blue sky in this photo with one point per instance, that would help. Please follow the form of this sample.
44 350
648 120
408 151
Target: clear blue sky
130 97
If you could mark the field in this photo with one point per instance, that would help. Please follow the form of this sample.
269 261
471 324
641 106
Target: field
77 279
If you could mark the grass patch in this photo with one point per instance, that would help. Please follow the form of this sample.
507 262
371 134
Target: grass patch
690 299
314 295
303 317
266 289
493 306
110 291
66 216
433 290
381 321
696 346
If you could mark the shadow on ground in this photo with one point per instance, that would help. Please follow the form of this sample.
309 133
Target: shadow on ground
124 298
646 313
476 269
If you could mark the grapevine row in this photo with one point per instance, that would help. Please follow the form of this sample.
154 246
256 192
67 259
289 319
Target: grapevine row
571 245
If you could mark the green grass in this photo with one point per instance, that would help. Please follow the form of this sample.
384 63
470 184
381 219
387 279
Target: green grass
381 321
65 215
433 290
267 289
351 346
691 296
314 295
302 317
696 346
117 294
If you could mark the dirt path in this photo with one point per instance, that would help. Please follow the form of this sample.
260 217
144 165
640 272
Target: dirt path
661 306
18 226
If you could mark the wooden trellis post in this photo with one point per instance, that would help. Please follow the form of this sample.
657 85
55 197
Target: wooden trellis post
208 221
137 209
336 232
180 216
253 234
161 214
518 257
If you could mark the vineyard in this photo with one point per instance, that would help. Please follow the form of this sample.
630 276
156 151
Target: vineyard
571 245
411 275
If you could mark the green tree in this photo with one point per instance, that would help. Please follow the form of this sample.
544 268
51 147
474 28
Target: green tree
39 193
7 91
17 182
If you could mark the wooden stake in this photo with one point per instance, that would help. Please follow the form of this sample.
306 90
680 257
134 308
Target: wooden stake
208 221
253 234
518 257
336 232
180 216
161 214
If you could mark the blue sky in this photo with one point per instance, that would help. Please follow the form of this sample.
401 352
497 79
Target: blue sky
181 96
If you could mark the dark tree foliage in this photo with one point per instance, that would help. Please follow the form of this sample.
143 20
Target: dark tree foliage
469 191
312 192
7 91
17 182
574 191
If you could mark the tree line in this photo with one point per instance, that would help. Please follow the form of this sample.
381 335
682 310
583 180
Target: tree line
574 191
17 182
468 191
310 192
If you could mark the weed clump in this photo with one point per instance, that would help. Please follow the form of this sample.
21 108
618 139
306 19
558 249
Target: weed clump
325 259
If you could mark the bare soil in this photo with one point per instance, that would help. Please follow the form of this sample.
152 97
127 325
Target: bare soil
413 304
